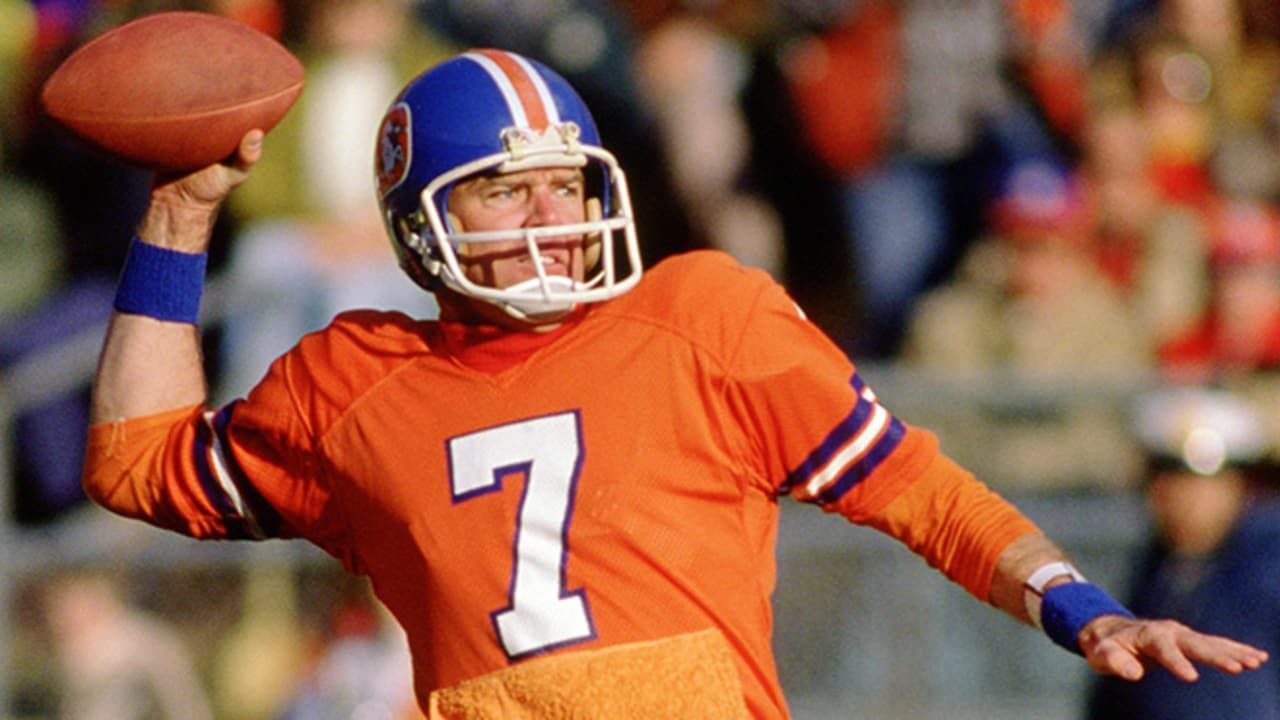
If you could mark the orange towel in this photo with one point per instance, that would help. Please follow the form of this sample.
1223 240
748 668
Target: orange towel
687 676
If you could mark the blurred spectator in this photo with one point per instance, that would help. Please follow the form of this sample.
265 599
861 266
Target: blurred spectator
259 655
944 94
1240 331
1029 297
1186 222
29 242
691 74
360 667
29 245
313 243
265 16
817 100
1114 169
1222 60
1246 66
1213 555
1030 302
1150 249
17 42
1174 84
117 663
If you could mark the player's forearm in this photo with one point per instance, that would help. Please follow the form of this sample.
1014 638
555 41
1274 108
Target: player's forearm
149 365
956 523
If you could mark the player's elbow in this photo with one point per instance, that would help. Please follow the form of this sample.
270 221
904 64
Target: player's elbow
118 473
111 485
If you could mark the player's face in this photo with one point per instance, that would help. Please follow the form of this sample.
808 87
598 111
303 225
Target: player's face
531 198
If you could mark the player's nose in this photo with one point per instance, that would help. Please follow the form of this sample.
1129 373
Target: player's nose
544 208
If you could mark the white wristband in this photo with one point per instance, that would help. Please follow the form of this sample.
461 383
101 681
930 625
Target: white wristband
1034 587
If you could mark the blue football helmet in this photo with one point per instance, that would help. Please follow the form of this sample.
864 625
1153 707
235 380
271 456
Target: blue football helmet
491 111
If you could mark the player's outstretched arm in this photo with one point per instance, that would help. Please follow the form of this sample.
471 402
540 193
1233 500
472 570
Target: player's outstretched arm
1082 618
151 358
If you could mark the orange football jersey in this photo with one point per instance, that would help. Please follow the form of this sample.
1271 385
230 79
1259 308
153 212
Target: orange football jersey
515 497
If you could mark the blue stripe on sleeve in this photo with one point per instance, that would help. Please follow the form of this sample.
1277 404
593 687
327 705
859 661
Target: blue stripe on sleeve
213 490
268 520
836 439
884 447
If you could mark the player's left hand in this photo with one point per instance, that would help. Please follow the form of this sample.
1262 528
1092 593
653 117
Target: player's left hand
1117 645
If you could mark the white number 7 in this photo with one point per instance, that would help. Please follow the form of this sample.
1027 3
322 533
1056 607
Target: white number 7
542 613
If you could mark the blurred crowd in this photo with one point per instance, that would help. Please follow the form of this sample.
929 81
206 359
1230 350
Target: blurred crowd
1034 187
270 641
1084 192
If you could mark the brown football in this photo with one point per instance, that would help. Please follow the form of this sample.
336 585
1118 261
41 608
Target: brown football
173 91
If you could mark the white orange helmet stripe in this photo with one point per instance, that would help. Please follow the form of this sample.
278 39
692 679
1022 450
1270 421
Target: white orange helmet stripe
527 96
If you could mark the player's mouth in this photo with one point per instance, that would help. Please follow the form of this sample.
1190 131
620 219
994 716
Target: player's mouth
554 260
554 263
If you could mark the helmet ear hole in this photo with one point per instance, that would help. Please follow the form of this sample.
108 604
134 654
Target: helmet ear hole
591 247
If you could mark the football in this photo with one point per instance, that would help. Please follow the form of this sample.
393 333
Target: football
173 91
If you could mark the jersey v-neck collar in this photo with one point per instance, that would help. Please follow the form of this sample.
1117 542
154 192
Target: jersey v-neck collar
491 349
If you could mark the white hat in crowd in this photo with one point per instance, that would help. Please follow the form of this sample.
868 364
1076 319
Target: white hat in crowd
1201 429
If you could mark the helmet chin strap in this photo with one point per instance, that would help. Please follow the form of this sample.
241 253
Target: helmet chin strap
536 309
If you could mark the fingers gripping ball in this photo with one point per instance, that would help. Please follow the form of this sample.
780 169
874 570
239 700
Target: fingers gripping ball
173 91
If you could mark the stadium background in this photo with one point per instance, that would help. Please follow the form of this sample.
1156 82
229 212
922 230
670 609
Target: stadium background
858 149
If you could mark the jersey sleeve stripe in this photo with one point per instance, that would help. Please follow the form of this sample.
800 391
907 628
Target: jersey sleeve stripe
850 452
836 439
854 473
266 516
245 513
219 489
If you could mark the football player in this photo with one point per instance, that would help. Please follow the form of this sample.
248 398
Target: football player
565 489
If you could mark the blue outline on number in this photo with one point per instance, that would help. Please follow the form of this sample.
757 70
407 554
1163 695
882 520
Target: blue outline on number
525 468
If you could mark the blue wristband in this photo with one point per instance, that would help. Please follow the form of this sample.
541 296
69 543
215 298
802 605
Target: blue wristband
161 283
1068 607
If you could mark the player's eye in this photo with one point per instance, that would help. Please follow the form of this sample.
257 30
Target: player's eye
570 189
501 194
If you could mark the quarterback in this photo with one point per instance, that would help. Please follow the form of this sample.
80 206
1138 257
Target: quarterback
566 488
